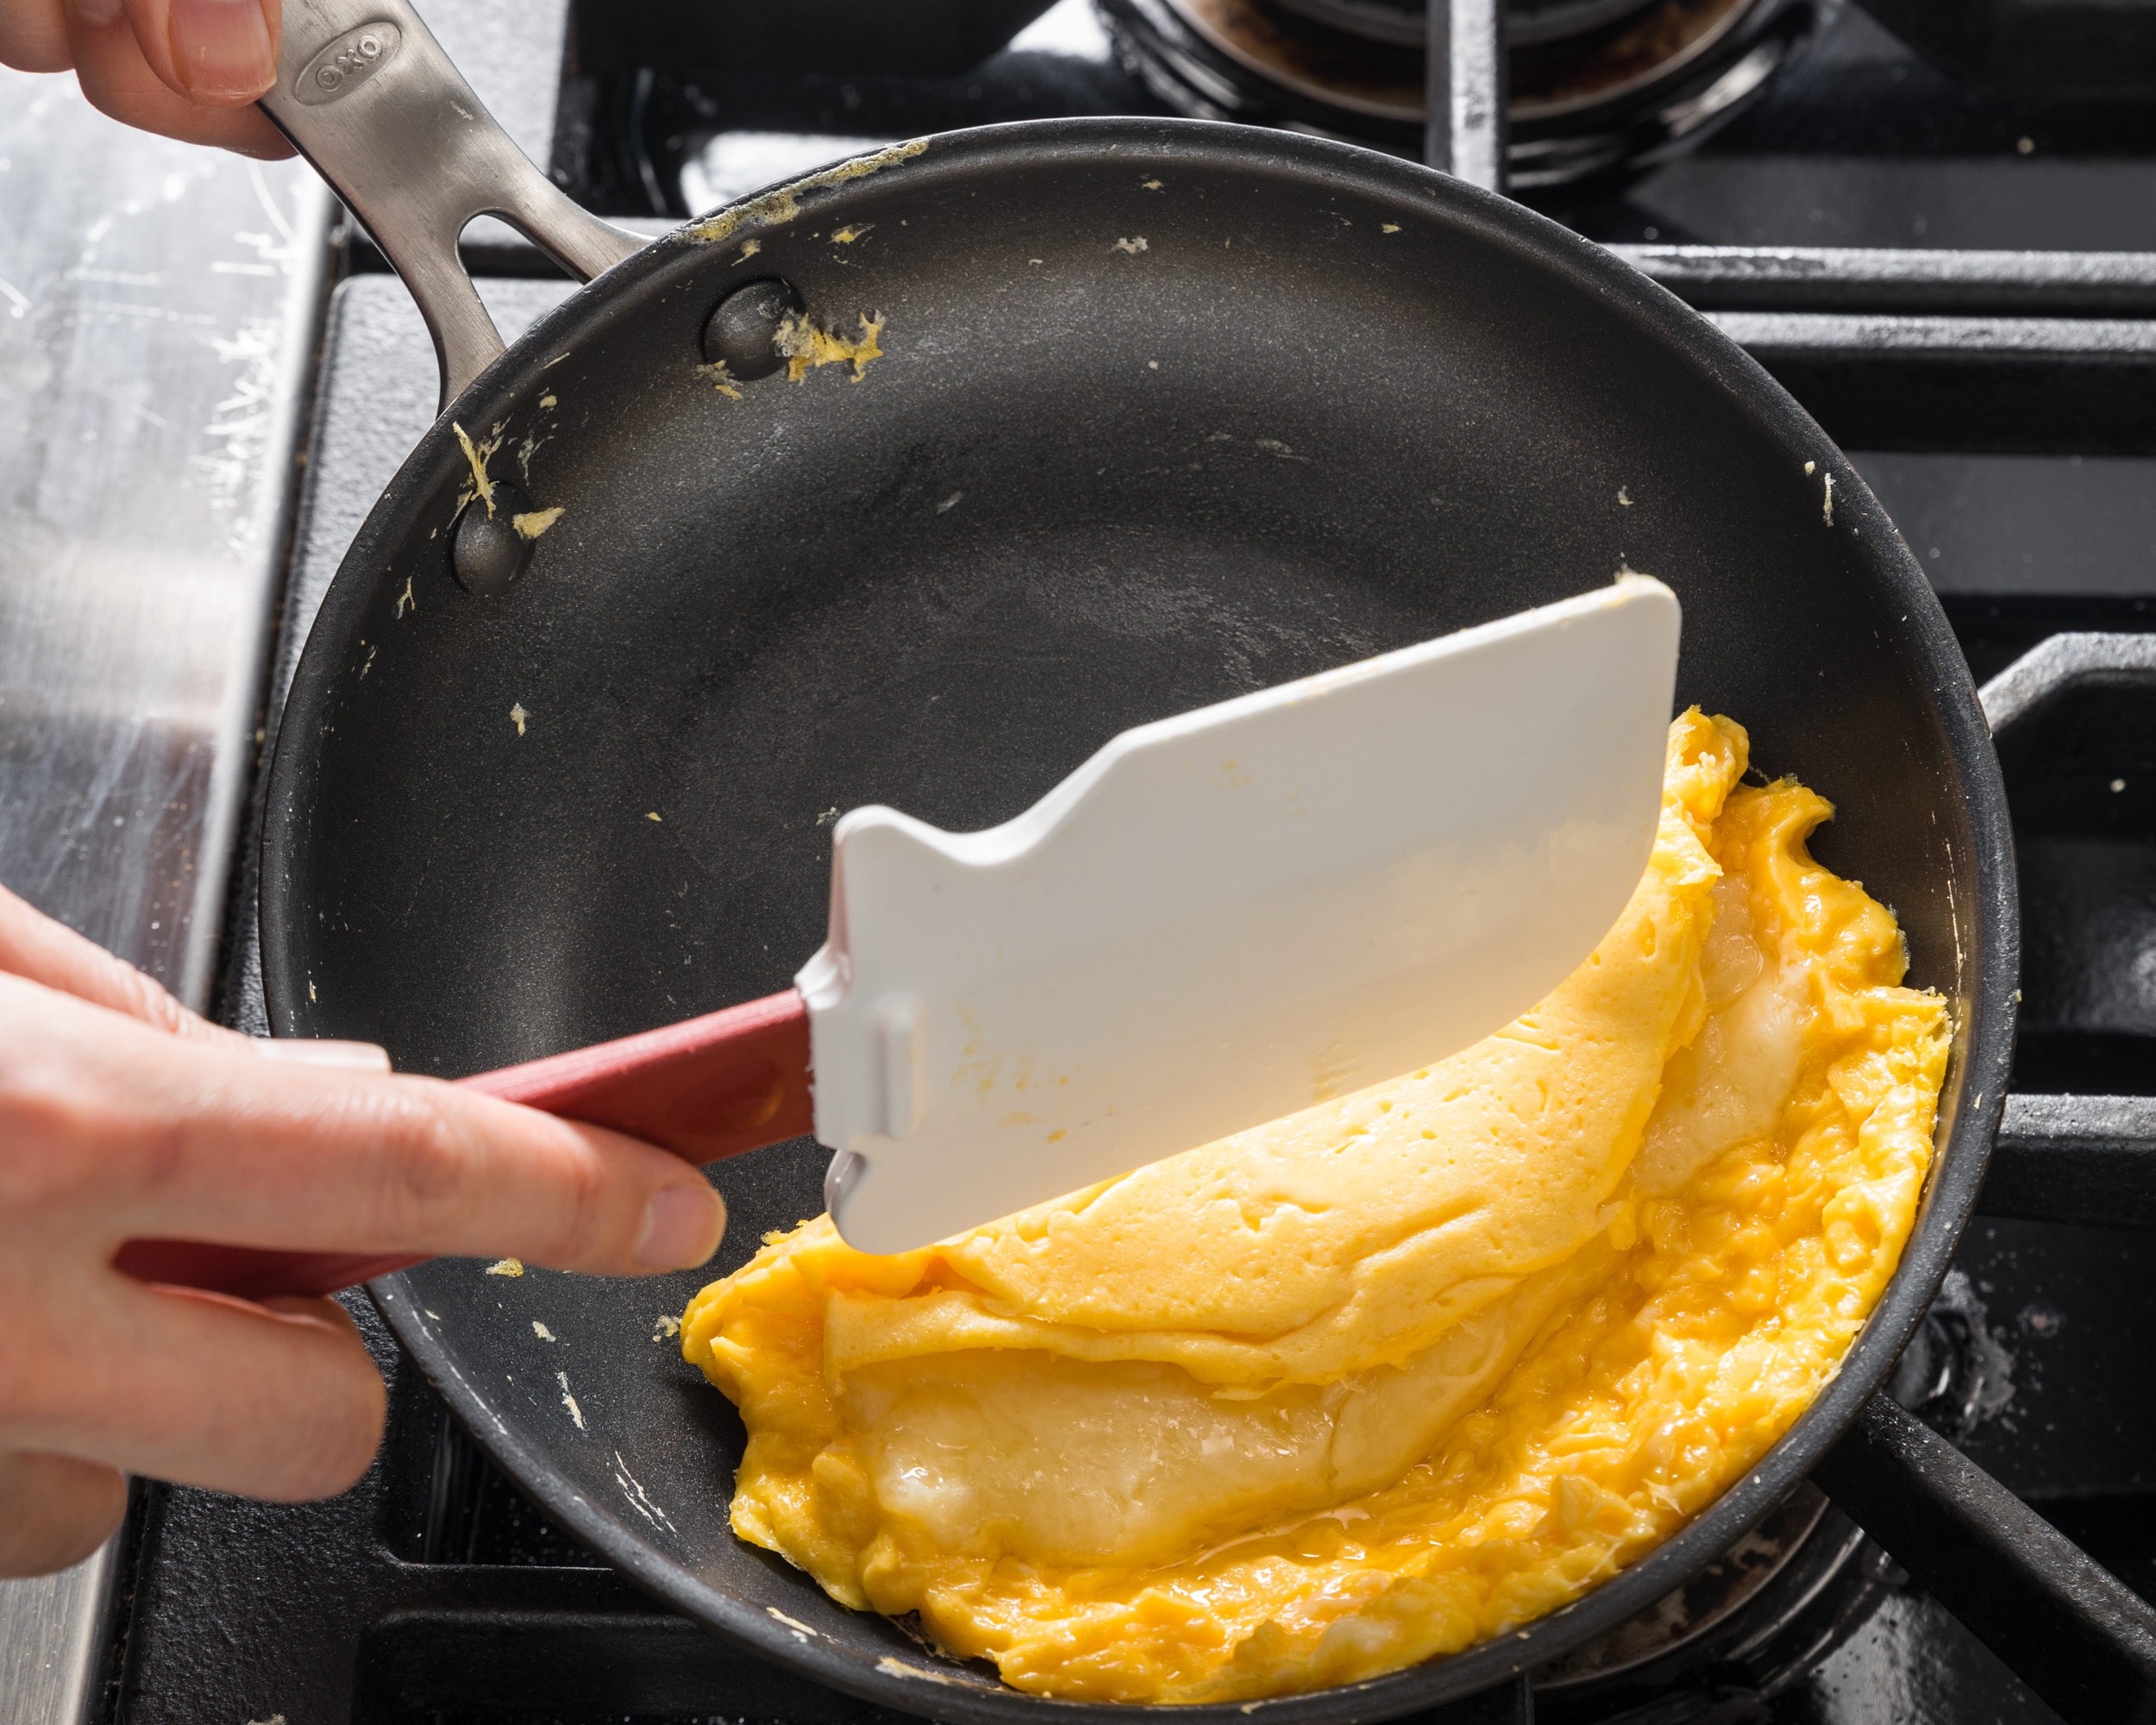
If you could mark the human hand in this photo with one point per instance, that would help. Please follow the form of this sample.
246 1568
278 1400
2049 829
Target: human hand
188 69
124 1116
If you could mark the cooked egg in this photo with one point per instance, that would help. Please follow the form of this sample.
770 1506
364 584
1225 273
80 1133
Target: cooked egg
1402 1372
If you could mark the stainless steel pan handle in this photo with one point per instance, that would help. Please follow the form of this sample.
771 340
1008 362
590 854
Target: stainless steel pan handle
368 97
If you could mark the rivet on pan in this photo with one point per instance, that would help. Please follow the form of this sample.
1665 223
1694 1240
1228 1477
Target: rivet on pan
485 550
738 333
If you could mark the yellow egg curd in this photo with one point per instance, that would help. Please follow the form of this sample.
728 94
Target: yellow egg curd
1399 1372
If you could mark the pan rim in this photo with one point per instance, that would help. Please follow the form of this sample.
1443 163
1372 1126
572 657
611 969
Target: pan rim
1984 988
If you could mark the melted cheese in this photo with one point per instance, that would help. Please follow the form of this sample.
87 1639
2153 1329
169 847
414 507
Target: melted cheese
1398 1372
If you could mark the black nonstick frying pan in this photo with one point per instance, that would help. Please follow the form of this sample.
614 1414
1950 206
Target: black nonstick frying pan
1162 412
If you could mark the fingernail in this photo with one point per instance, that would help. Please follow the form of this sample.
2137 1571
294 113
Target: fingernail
682 1228
222 47
98 12
305 1051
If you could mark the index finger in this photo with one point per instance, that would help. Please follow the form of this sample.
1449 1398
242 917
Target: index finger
211 1143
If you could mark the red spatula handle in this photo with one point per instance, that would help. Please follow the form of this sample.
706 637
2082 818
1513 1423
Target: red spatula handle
711 1087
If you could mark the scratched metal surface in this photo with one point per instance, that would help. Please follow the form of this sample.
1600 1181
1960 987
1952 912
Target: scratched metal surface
161 303
158 311
161 307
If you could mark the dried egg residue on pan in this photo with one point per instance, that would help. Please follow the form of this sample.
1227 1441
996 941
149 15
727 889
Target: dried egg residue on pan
1398 1373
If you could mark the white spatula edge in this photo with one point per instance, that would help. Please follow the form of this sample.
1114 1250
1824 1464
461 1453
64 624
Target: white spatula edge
1230 914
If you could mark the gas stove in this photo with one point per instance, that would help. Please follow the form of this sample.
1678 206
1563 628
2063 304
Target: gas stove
1947 252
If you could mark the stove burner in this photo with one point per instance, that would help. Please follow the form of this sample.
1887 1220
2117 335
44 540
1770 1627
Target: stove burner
1528 23
1955 1374
1770 1610
1712 1597
1596 85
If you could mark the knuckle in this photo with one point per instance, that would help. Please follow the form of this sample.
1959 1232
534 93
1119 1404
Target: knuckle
160 1159
586 1220
59 1128
145 998
427 1173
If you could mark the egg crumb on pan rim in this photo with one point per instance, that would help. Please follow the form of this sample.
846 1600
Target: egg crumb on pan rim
1395 1374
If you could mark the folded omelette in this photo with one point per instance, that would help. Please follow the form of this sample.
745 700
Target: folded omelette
1399 1372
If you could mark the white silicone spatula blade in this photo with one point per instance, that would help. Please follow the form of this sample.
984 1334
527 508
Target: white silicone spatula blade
1229 915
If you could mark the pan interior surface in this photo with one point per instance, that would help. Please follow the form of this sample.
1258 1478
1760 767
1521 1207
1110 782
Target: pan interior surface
1160 416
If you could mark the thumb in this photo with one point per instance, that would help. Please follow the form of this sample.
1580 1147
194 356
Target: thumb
223 53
